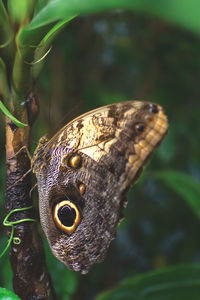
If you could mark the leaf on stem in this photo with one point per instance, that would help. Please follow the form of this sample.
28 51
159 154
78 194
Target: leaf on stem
184 185
180 12
10 116
7 295
177 282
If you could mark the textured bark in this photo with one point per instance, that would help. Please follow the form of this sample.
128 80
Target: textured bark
30 276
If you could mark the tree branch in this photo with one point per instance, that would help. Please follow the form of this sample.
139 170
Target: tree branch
30 276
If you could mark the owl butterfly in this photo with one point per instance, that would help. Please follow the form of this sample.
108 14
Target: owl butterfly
83 175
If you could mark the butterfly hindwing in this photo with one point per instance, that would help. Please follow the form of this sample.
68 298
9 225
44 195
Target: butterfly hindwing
84 171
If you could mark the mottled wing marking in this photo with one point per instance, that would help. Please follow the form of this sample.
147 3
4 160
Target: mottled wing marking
101 152
91 132
143 147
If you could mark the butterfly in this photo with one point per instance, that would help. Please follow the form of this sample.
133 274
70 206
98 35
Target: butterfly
84 172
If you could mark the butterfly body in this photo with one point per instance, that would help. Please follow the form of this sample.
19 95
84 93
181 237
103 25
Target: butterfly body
83 174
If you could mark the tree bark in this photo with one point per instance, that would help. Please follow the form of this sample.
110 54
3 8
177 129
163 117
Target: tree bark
30 276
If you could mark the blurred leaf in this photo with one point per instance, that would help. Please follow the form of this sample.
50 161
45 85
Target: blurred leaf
4 90
184 185
6 31
6 271
178 282
180 12
20 11
167 150
9 115
40 4
7 295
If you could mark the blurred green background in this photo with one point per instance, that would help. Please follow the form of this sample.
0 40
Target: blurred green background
113 57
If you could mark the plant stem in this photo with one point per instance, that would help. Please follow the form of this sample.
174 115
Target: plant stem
30 276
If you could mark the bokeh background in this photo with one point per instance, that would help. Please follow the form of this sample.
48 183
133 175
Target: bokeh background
107 58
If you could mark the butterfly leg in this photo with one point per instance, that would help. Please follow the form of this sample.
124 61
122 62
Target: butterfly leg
20 150
25 174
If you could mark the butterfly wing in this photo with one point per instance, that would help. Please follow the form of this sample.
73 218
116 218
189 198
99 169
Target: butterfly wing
83 174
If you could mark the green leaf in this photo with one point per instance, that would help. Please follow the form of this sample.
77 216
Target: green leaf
4 89
7 295
28 39
177 282
183 184
40 4
20 11
57 13
45 45
9 115
181 12
6 34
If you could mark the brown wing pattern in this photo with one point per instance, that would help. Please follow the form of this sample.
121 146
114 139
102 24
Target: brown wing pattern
84 171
